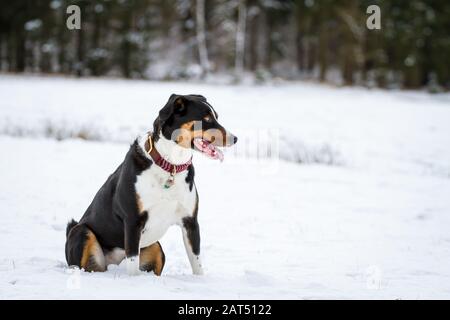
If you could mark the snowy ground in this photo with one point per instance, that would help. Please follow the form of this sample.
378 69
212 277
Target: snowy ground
373 223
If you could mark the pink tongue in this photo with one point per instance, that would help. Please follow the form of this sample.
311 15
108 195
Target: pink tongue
209 149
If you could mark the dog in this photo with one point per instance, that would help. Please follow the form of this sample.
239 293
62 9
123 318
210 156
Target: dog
151 190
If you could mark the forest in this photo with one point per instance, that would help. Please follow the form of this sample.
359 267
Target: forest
261 40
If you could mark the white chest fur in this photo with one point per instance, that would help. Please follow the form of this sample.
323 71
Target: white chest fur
165 207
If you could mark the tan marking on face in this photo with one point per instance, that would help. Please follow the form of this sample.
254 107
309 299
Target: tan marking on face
184 137
152 256
187 134
92 249
215 136
197 134
188 125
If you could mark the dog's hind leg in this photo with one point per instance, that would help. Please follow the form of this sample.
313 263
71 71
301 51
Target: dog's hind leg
152 258
83 249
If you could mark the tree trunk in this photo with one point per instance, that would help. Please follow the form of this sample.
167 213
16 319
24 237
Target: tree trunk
1 51
300 59
240 38
20 50
80 53
348 64
299 47
95 67
323 49
253 44
62 32
80 46
268 42
201 36
126 45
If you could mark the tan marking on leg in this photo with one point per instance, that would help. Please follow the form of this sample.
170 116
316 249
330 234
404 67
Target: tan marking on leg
93 258
140 204
152 258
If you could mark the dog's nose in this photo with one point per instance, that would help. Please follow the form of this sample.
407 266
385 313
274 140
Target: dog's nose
235 139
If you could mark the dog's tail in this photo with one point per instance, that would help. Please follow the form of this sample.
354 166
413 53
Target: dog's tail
72 223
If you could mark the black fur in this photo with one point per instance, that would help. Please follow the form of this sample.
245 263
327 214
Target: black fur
190 177
192 228
140 159
72 223
193 233
75 244
113 215
181 109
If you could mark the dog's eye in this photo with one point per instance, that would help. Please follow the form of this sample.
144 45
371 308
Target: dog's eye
207 119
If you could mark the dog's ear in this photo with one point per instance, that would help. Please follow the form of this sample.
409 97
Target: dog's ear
176 103
202 98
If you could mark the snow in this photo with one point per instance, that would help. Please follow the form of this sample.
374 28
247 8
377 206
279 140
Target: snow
373 223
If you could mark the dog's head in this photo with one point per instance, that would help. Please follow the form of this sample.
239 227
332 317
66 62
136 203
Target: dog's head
191 122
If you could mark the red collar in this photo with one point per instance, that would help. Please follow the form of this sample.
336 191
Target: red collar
163 163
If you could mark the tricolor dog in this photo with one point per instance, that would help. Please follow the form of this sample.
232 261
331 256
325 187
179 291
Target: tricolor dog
152 189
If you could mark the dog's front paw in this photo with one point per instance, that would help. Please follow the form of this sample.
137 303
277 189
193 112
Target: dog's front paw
133 266
198 271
